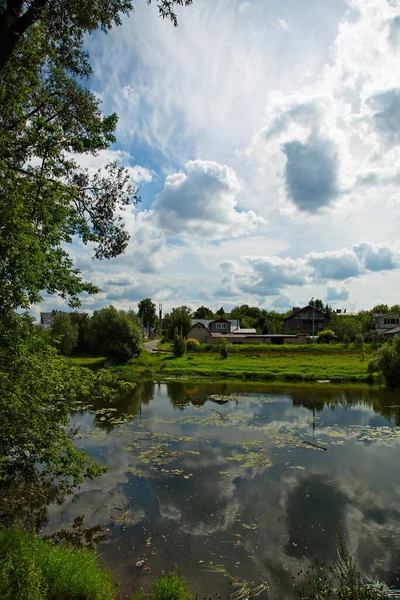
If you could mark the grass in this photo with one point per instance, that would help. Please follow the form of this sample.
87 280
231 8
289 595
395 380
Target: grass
32 568
89 362
290 366
261 348
171 586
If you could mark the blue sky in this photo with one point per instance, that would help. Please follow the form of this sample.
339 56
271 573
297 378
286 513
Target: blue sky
264 137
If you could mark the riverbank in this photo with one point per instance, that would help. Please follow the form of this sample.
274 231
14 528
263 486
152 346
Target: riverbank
272 366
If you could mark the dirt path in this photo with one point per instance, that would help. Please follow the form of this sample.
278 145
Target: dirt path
151 345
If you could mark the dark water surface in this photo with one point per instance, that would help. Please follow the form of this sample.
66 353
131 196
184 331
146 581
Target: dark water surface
220 473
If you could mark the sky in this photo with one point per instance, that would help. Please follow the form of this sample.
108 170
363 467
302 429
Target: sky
264 139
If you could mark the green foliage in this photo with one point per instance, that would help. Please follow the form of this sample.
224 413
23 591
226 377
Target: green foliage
223 348
32 568
64 333
171 586
81 320
387 361
39 391
203 313
179 319
327 336
220 312
147 312
179 348
114 334
191 344
346 327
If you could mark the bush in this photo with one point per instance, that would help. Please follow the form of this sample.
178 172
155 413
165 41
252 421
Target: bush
32 568
191 344
326 336
179 348
223 348
114 334
387 361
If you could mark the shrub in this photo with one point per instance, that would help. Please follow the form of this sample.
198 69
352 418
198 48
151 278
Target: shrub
179 348
114 334
326 336
224 348
32 568
387 361
192 343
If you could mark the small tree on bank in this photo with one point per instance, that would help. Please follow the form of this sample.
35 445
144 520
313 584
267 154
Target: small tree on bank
114 334
387 361
179 345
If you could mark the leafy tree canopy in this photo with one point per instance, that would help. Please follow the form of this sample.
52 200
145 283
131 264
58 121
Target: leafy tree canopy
147 312
65 333
220 312
203 313
114 334
178 321
387 361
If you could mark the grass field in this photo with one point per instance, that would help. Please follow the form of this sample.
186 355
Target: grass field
290 366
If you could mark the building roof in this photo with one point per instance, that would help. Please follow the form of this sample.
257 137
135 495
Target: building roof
244 331
206 322
297 311
201 325
46 318
392 331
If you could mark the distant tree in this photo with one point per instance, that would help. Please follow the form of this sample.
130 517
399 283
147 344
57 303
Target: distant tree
220 312
346 327
387 361
380 309
203 313
317 304
81 320
395 309
179 319
147 312
114 334
64 333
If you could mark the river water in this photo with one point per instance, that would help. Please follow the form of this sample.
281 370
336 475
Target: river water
221 474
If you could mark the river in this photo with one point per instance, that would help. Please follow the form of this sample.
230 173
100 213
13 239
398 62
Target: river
259 479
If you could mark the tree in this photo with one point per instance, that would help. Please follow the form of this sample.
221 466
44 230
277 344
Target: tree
179 320
203 313
147 312
317 304
220 312
346 327
115 335
180 346
64 333
387 361
39 389
380 309
81 320
65 24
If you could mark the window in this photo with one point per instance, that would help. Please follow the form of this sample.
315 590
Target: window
220 325
298 324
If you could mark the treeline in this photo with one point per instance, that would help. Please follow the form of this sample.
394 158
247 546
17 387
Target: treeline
345 328
111 333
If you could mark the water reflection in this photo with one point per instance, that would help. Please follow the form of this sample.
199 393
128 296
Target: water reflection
220 472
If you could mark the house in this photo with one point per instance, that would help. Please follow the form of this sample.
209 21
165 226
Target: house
218 325
46 319
199 332
305 320
382 323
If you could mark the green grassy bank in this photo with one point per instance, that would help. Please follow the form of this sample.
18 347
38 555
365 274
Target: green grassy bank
272 366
